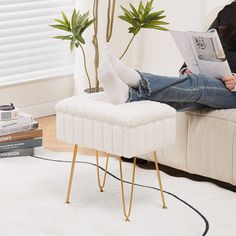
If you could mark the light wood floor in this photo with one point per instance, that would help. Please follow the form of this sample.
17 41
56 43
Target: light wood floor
48 124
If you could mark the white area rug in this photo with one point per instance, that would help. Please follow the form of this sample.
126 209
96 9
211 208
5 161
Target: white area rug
32 202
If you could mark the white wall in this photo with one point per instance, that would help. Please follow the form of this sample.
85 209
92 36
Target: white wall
212 7
38 97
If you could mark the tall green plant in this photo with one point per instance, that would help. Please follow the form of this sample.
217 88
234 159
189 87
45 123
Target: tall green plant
76 26
142 17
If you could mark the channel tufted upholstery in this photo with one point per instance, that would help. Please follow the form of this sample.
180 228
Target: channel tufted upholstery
129 129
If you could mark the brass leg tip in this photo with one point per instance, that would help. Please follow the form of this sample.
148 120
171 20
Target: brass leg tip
127 220
101 190
67 202
164 207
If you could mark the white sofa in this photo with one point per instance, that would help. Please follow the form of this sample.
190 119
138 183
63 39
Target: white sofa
205 144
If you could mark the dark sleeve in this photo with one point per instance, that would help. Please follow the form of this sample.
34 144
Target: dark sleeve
215 24
183 66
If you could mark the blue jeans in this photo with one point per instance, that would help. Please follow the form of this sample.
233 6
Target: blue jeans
191 92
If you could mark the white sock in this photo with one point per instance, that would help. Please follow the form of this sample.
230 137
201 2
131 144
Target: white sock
116 89
127 74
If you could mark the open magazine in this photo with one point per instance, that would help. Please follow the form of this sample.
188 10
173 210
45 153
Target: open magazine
203 53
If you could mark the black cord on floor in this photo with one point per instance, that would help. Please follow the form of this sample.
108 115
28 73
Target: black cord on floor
139 185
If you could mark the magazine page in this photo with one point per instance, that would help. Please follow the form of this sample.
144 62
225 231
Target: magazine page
184 45
209 54
203 53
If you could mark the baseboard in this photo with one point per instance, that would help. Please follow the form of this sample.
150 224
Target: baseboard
38 97
40 110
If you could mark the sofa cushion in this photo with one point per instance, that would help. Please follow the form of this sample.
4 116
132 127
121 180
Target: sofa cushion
97 107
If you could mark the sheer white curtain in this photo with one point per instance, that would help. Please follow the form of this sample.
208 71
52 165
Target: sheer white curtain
27 49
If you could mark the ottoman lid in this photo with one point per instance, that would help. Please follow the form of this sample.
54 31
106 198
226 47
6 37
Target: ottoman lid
97 107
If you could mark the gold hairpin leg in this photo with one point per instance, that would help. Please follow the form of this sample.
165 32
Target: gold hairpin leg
98 173
159 180
71 173
127 215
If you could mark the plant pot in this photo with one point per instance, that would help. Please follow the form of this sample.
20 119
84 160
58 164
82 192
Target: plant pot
93 90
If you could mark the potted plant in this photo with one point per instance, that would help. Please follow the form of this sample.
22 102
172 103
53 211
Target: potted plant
140 17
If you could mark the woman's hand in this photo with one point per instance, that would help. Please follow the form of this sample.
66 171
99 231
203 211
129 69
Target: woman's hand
230 82
188 72
184 71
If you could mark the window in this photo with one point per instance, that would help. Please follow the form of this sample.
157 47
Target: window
28 50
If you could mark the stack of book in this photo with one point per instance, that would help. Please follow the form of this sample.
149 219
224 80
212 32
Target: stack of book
20 136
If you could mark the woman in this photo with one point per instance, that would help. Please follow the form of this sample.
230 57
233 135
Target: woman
225 24
190 92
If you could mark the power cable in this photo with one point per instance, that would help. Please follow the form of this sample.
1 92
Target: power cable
139 185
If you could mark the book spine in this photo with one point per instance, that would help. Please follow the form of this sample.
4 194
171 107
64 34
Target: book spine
18 152
20 128
30 134
30 143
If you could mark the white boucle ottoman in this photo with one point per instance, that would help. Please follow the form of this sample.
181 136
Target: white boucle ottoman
130 129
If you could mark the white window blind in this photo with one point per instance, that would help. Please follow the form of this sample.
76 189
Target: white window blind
28 50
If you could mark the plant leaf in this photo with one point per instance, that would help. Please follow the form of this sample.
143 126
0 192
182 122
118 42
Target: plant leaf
61 21
142 17
153 16
160 12
83 18
66 37
87 25
149 6
126 12
155 27
73 19
80 39
161 23
61 27
134 30
134 12
125 18
141 7
77 17
72 44
65 19
161 28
